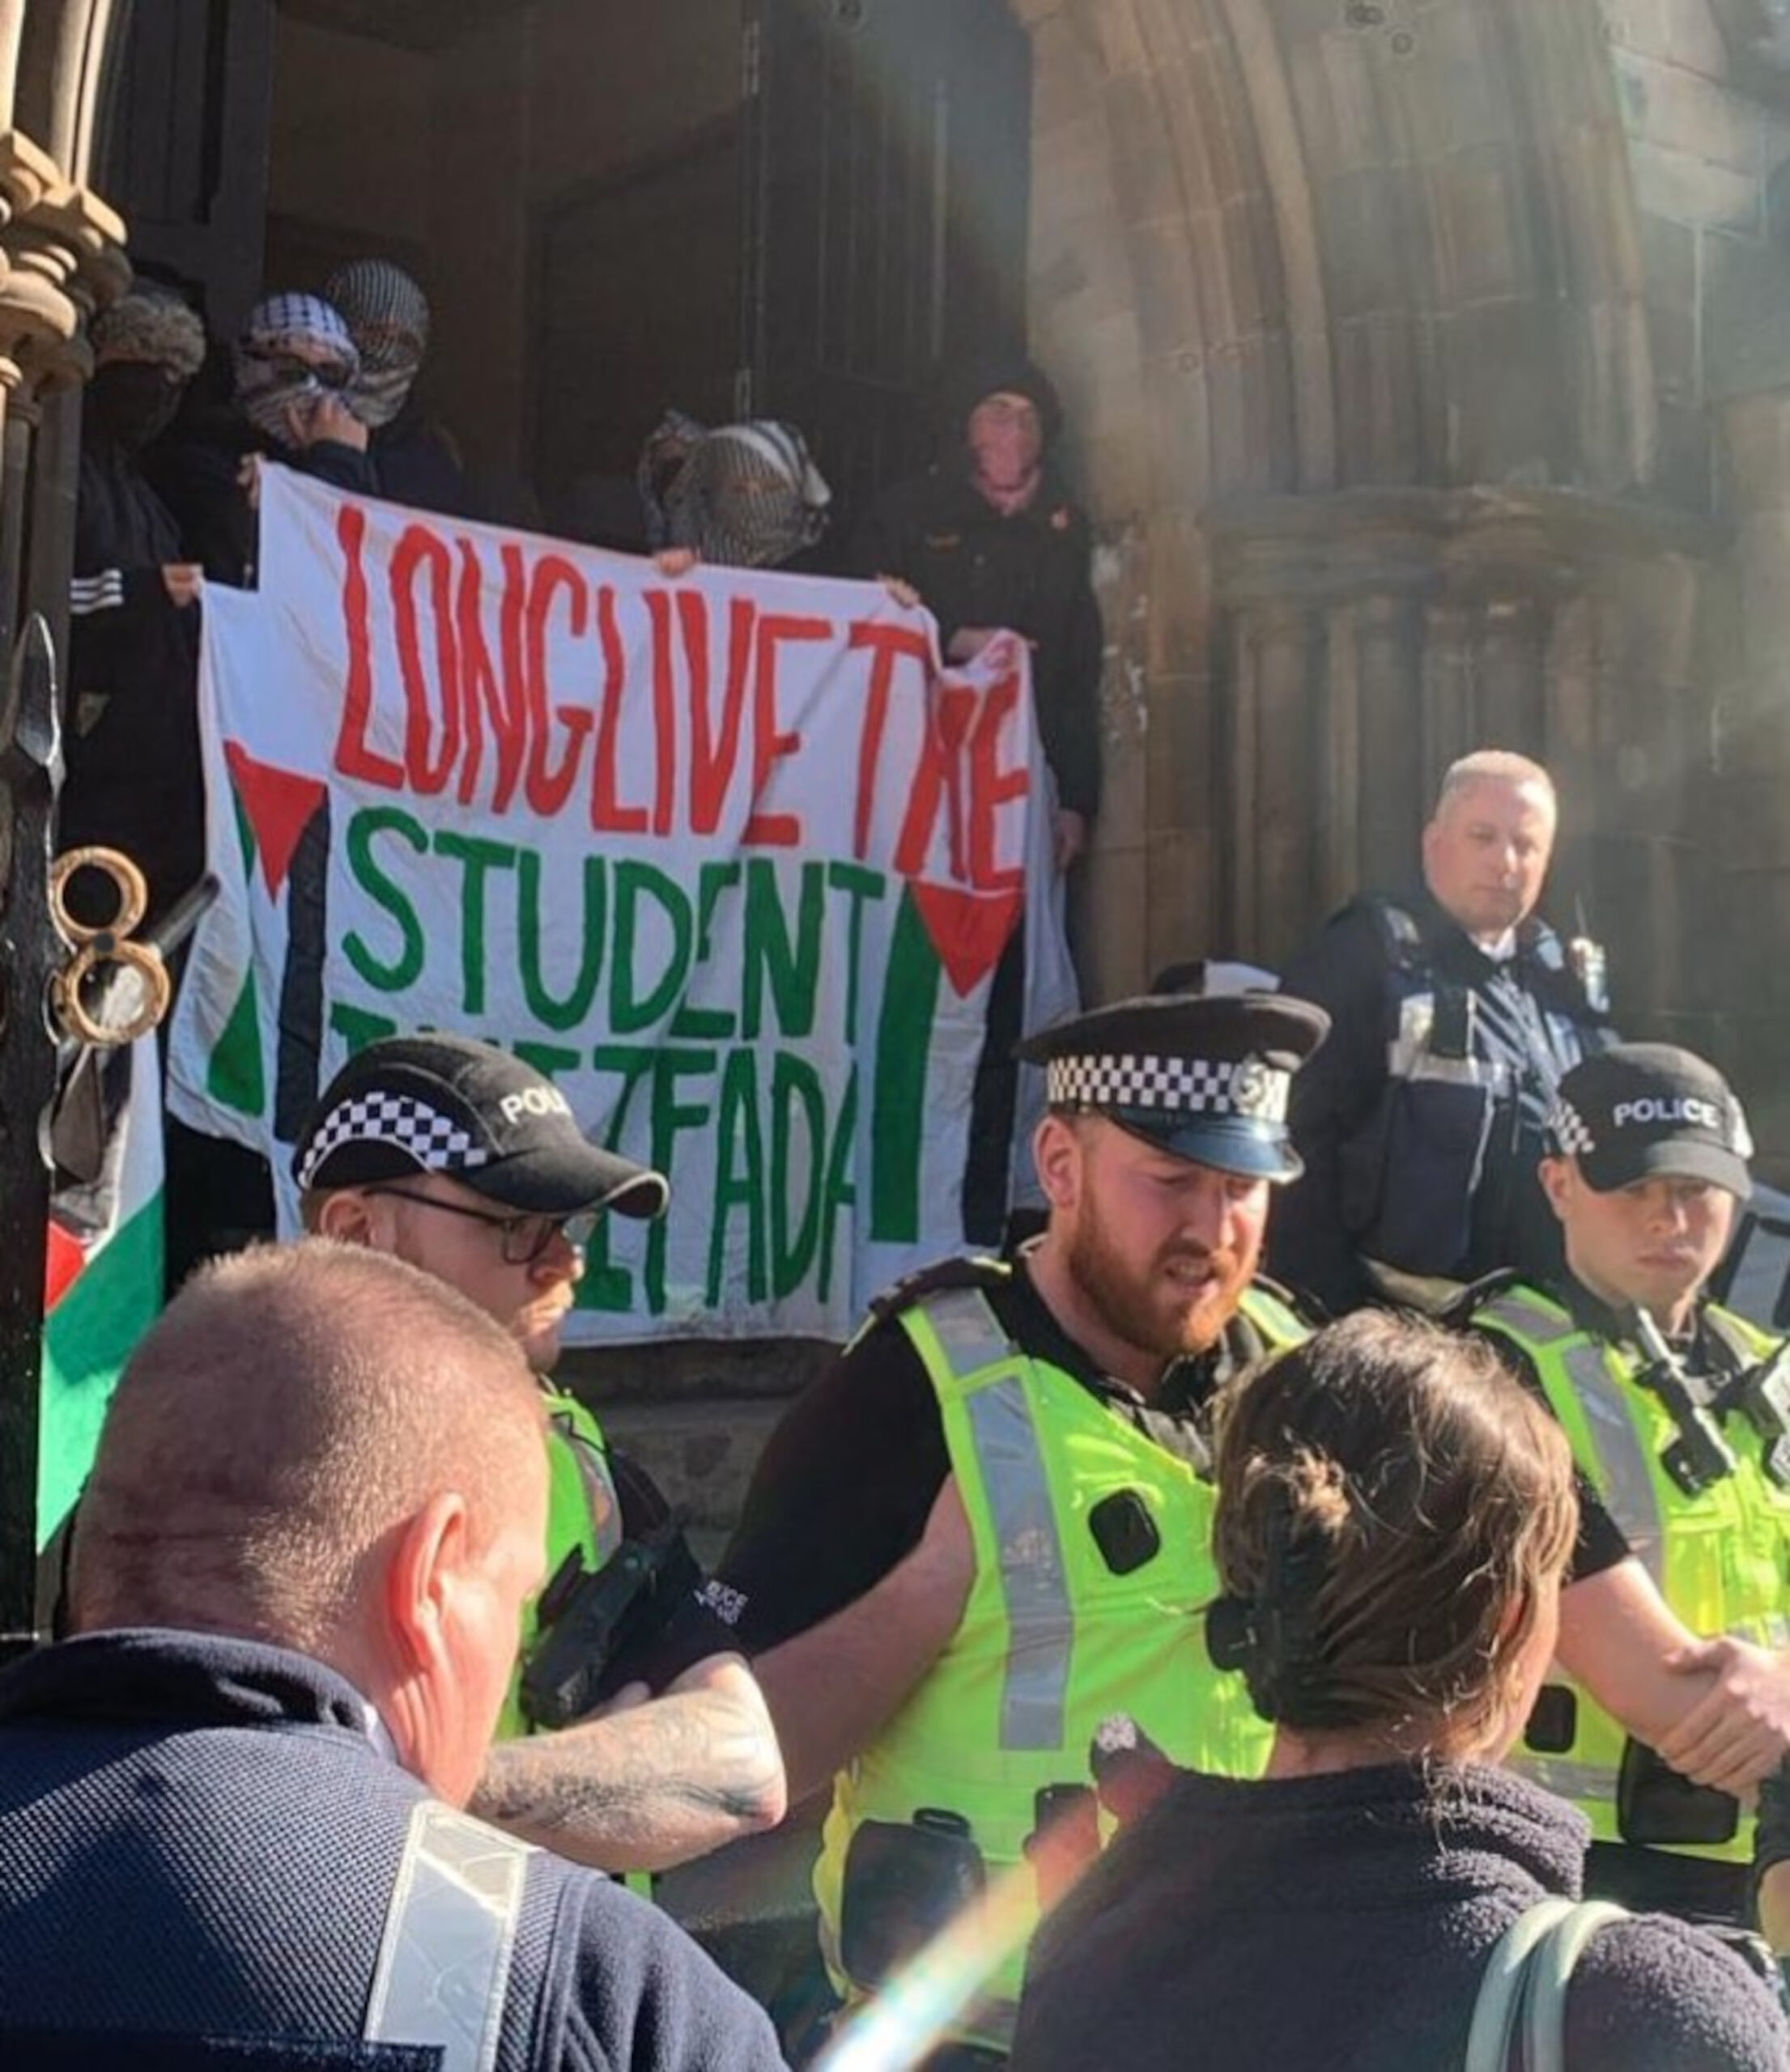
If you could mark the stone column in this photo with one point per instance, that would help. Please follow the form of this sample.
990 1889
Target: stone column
1752 894
61 257
1368 637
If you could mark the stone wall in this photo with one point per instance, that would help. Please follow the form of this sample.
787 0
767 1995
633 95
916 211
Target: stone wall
1395 338
451 153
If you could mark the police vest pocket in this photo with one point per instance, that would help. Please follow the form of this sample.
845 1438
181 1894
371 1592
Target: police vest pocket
1431 1152
904 1884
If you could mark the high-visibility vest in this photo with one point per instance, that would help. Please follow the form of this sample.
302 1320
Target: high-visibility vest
1053 1641
1720 1559
583 1514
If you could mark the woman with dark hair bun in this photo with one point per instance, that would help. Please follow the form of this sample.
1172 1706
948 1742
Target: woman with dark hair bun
1395 1514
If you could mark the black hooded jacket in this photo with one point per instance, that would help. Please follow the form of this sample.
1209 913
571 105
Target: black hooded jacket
133 739
1028 571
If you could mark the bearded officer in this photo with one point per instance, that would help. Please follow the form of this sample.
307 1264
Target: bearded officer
1676 1696
968 1544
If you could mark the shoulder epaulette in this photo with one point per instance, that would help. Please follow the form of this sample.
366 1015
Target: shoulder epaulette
1254 1333
1744 1342
967 1270
1401 938
1475 1296
1289 1298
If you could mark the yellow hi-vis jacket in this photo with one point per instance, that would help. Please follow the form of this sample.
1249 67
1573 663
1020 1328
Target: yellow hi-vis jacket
583 1512
1052 1641
1720 1559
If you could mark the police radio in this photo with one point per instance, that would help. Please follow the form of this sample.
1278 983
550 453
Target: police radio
1699 1457
1761 1396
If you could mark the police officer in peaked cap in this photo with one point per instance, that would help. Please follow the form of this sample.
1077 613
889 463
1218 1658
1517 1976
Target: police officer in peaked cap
464 1160
967 1545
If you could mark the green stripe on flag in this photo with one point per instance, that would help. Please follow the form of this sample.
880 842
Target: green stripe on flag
234 1076
245 832
87 1338
898 1107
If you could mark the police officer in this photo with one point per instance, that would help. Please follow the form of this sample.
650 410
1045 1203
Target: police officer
988 1527
1454 1013
462 1160
1679 1416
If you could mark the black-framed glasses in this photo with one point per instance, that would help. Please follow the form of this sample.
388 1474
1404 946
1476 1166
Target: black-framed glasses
526 1237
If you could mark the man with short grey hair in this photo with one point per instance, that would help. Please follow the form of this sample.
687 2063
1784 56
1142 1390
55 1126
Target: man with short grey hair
1454 1012
230 1833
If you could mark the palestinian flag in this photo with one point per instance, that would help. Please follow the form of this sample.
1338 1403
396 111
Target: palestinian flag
103 1284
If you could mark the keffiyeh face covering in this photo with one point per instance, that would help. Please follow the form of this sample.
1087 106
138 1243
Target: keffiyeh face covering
387 315
749 496
295 349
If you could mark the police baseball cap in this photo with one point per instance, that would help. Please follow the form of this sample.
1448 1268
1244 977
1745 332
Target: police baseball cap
445 1104
1206 1078
1640 1108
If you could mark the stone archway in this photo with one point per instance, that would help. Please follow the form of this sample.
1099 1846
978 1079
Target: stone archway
62 256
1348 303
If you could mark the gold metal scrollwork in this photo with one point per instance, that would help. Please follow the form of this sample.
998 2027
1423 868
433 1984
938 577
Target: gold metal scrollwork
113 988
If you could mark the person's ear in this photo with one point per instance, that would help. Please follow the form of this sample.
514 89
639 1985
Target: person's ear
423 1578
349 1216
1057 1151
1555 1175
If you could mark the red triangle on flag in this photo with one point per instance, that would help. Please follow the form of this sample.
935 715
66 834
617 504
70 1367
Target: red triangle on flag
66 1256
279 804
969 929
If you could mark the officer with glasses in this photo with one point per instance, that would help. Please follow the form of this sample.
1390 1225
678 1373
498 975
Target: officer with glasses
461 1160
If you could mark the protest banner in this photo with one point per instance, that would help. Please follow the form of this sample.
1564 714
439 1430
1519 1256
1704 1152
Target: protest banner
727 856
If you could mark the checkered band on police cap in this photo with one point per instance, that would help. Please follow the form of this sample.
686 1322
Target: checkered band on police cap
1570 1131
1246 1087
436 1142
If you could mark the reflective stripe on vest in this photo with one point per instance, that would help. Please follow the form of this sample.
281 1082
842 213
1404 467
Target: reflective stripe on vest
1040 1628
444 1967
1719 1557
1628 1491
1054 1638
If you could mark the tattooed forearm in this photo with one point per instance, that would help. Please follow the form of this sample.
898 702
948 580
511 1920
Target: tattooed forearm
647 1788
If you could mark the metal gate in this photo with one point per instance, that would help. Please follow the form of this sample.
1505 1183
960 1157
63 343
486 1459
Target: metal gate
887 181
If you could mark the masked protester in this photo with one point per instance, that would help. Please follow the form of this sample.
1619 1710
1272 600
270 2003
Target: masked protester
388 315
296 366
742 496
133 748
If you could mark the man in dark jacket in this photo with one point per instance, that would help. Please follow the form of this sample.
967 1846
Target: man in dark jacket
1454 1013
990 539
229 1823
133 748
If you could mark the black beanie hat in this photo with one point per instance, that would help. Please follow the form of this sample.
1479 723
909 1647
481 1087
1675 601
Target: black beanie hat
995 375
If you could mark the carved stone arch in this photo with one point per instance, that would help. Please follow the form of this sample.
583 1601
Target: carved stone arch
61 257
62 55
1349 308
